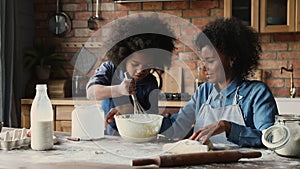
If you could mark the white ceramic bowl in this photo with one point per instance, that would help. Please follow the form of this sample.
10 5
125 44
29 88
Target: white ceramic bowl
138 128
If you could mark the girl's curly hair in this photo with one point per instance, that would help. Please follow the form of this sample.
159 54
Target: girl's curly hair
133 34
235 42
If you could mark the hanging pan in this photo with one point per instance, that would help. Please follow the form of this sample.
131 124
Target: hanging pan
60 22
93 20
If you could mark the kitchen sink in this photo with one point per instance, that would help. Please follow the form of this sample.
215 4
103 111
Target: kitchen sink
288 105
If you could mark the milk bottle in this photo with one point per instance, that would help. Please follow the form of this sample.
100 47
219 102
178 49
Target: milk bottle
41 120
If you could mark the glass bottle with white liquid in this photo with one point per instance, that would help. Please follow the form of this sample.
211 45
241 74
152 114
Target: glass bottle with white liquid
41 120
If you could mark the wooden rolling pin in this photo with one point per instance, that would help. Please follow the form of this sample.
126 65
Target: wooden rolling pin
196 158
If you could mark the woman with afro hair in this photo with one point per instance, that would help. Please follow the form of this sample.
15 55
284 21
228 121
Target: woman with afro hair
140 45
228 108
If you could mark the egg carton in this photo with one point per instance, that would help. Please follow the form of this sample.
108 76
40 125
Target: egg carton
14 139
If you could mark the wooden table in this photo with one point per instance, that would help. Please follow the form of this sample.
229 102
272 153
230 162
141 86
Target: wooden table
114 152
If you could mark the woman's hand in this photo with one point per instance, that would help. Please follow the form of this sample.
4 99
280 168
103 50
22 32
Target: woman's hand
210 130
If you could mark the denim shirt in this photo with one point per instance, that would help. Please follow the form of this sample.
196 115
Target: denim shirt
255 100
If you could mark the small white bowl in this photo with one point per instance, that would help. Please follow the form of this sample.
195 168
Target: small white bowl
138 127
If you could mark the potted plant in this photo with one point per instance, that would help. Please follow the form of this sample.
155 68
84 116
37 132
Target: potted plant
42 58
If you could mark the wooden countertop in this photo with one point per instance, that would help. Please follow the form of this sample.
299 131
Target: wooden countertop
114 152
72 101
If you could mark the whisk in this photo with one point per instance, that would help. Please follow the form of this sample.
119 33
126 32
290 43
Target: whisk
137 108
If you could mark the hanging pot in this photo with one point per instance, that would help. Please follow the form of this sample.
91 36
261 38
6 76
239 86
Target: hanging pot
93 20
60 22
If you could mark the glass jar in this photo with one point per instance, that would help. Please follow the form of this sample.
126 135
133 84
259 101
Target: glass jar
284 136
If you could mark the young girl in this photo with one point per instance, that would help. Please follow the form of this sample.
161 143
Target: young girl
138 54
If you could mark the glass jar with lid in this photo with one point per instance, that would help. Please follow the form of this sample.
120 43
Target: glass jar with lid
284 136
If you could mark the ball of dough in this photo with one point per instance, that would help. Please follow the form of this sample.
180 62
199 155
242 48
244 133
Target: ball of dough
186 146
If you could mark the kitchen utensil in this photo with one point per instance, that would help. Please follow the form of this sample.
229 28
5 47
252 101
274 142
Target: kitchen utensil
196 158
172 80
137 108
93 20
133 129
60 22
284 136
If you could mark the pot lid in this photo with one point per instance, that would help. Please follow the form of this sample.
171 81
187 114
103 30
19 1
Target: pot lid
275 136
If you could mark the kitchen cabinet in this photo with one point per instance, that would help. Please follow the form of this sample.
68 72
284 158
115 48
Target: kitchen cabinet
63 107
266 16
277 15
246 10
297 12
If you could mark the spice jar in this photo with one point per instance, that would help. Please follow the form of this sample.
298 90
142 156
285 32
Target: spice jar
284 136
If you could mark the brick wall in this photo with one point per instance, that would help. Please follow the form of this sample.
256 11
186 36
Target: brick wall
280 49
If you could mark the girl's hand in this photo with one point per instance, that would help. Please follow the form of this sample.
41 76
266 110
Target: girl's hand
206 132
123 109
110 116
127 87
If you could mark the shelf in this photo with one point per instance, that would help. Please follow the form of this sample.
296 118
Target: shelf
81 44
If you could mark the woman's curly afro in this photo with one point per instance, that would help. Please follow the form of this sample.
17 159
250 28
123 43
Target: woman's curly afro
235 42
